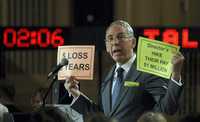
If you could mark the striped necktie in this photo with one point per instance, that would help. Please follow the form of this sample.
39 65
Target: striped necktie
117 86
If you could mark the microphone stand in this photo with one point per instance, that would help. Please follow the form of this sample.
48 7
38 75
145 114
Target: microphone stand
50 88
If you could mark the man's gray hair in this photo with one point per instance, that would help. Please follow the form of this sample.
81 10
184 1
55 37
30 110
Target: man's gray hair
152 117
125 25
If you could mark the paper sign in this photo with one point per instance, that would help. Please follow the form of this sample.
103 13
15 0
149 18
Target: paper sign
81 61
155 57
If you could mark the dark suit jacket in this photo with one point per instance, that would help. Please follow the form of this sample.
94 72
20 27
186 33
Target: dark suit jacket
152 94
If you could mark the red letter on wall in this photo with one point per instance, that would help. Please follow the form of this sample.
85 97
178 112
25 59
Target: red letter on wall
170 36
186 43
151 33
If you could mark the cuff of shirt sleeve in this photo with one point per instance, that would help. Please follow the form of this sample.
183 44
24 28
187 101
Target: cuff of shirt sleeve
179 83
74 100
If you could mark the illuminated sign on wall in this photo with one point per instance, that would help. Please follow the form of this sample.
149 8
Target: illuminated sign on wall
52 37
173 36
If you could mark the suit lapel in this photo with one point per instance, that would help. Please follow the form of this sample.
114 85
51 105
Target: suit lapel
132 75
106 92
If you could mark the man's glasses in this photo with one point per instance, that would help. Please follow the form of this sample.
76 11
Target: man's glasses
121 37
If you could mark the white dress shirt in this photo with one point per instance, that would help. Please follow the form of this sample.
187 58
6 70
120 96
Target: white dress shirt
126 68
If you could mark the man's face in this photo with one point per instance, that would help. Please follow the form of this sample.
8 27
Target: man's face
119 43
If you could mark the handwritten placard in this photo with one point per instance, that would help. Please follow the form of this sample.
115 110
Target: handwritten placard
155 57
81 61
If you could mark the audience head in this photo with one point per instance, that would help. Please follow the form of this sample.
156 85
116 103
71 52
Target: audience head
152 117
7 92
99 117
50 114
37 98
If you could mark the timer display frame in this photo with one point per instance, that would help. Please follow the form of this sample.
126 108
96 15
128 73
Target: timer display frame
52 37
25 37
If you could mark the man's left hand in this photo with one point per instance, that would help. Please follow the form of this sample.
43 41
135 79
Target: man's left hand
177 63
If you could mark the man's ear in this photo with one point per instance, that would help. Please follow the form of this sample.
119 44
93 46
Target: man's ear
134 42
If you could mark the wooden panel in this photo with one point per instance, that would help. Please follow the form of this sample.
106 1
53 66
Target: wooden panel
193 16
63 12
36 12
158 12
139 12
170 12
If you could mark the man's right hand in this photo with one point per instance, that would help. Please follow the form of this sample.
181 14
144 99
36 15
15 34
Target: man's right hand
71 85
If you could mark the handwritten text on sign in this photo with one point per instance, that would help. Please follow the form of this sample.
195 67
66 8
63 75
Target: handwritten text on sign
81 61
155 57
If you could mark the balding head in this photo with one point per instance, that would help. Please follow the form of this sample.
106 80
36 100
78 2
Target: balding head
125 25
152 117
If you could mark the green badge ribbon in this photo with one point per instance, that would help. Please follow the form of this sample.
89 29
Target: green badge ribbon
131 84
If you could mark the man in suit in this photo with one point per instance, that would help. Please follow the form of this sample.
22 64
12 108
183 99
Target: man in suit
151 93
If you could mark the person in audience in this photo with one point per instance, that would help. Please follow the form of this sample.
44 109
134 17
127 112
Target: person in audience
37 98
99 117
50 114
152 117
7 95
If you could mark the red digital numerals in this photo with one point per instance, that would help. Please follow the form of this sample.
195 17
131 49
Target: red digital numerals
24 38
172 36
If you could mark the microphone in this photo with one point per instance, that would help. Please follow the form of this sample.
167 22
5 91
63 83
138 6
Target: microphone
63 62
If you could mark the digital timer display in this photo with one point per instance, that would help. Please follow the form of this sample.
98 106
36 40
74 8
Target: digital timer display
25 37
52 37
